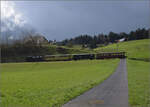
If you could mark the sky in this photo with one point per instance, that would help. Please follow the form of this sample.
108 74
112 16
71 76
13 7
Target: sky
66 19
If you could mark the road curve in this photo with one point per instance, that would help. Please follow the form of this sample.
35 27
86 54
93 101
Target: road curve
113 92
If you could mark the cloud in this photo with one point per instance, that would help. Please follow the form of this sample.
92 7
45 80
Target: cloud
10 17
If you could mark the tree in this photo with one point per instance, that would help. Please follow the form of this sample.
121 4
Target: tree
93 45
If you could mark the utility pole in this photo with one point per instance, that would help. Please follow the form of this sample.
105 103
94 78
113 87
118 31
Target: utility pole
117 46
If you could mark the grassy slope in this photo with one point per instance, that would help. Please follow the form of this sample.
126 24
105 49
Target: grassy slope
139 83
134 49
50 83
67 50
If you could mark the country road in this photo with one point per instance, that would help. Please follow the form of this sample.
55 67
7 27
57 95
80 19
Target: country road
113 92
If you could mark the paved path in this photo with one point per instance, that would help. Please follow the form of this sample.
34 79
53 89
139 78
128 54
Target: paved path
113 92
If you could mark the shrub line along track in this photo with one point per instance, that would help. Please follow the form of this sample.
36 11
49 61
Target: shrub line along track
113 92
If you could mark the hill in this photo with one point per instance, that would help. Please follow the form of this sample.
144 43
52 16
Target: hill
139 49
17 53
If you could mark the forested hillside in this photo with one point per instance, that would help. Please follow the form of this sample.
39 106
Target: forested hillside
93 41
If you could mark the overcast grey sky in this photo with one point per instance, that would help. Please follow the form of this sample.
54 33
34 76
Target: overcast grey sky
63 19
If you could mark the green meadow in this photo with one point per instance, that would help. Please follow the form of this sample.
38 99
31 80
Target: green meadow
139 49
50 84
139 83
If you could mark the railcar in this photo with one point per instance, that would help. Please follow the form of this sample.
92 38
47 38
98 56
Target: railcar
83 56
34 58
107 55
65 57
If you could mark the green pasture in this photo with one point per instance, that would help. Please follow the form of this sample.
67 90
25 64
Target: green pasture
50 84
135 49
139 83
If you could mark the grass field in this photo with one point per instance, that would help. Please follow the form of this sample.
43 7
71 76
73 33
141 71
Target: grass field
50 84
135 49
139 83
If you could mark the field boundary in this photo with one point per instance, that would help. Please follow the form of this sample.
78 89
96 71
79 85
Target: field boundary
141 59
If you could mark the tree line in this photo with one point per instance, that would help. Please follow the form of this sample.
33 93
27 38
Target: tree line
105 39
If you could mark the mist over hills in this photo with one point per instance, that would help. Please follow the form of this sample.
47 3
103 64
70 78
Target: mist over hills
9 35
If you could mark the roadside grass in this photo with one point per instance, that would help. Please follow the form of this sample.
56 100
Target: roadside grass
135 49
50 84
139 83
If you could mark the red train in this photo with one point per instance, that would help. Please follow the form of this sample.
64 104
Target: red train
68 57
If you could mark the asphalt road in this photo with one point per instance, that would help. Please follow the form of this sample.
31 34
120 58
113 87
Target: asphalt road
113 92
